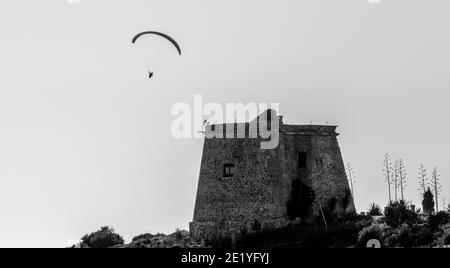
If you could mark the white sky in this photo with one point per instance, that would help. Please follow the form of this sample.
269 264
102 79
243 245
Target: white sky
85 136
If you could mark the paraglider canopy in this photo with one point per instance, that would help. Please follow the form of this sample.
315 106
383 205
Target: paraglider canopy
170 39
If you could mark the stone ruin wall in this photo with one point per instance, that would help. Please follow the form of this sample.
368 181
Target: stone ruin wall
256 197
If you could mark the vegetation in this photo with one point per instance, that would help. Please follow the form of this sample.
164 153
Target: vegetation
302 199
345 202
178 233
423 180
374 210
400 227
387 170
436 184
402 178
328 214
332 226
428 202
440 218
447 239
396 179
146 236
369 233
398 213
338 235
103 238
412 236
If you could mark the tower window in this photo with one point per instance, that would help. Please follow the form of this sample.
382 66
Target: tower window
228 170
302 160
269 116
319 163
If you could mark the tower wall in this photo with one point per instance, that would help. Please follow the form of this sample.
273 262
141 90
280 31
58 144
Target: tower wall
256 197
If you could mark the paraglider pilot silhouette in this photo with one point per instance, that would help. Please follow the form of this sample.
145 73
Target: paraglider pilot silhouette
167 37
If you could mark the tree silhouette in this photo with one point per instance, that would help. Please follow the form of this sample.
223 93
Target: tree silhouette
423 180
103 238
402 178
374 210
428 202
387 170
396 179
398 213
437 187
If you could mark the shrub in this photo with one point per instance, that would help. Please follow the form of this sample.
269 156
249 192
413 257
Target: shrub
338 236
346 200
144 237
441 218
414 236
398 213
302 200
424 236
369 233
447 240
329 212
103 238
428 202
178 234
405 239
256 226
374 210
297 236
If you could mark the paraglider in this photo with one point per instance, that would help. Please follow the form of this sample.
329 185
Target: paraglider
170 39
167 37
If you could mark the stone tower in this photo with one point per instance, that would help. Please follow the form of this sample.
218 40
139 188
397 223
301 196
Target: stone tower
243 188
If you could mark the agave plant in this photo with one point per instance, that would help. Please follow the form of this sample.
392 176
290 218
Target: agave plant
398 213
375 210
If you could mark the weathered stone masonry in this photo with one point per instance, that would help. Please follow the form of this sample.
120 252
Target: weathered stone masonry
245 189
